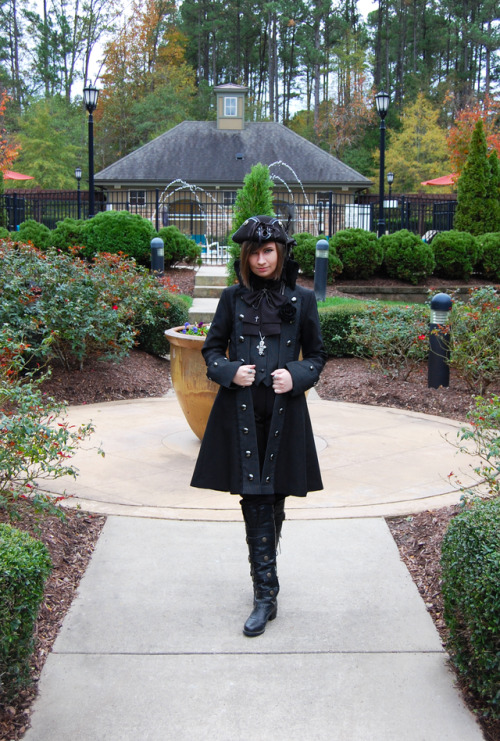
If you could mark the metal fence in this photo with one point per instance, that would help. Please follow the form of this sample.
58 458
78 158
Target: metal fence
207 216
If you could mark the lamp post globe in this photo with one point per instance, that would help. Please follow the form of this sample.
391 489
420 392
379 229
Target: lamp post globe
382 100
78 176
90 97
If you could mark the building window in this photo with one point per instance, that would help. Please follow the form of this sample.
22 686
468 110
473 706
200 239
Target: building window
137 197
230 107
323 198
229 197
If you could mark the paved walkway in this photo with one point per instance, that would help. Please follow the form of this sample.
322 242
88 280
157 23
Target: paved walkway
152 647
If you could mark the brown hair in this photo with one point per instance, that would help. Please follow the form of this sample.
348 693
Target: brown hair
247 248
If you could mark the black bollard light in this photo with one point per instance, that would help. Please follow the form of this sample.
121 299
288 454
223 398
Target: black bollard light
438 370
157 256
321 269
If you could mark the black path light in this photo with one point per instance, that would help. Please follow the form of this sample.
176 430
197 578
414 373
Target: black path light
78 176
321 269
90 96
382 102
438 369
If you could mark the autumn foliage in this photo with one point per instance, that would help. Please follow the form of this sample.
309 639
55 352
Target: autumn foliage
460 134
8 150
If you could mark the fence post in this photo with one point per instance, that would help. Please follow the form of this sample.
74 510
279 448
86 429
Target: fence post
157 210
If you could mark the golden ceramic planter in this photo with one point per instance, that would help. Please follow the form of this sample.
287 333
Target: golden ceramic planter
194 391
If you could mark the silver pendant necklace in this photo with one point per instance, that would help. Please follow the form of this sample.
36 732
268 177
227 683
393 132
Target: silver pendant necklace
261 346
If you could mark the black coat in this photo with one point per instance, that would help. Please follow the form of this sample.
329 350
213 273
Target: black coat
228 458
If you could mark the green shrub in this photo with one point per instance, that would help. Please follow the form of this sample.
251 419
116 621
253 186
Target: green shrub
4 233
159 309
471 594
407 257
67 233
32 231
359 251
475 338
489 249
456 254
336 329
304 253
119 231
32 447
395 337
178 247
24 568
71 310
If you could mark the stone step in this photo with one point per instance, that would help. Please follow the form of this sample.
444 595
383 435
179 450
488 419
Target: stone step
203 310
211 275
207 291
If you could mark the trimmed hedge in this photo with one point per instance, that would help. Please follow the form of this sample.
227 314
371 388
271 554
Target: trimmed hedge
178 247
360 252
67 233
489 263
335 323
304 253
471 592
32 231
24 567
119 231
456 254
407 257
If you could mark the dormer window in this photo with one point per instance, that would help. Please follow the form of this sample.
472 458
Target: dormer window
230 106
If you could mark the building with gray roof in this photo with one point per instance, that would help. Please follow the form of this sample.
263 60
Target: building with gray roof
190 174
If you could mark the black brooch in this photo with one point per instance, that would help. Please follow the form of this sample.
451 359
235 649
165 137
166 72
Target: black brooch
287 312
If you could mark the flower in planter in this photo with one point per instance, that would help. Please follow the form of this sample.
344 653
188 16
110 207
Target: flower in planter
200 329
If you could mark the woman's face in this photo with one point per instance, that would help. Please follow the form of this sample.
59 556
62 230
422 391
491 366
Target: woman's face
263 260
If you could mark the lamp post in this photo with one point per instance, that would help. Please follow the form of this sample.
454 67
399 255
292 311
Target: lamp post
390 180
78 176
90 96
382 103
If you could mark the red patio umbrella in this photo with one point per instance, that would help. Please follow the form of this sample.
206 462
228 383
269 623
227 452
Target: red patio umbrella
443 180
10 175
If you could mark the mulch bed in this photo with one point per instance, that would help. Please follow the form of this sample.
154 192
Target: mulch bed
71 540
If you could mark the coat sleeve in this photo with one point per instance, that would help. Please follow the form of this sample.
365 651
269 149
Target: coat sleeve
220 369
305 373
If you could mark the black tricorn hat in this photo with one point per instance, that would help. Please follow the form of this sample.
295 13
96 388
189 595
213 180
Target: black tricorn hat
263 229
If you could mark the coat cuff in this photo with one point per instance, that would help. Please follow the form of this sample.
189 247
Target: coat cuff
222 371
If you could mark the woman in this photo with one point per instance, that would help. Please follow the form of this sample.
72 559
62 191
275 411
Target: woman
258 442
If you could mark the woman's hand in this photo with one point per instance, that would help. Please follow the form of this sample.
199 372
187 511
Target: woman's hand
282 381
245 375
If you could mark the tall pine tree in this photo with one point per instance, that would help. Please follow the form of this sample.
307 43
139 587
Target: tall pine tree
476 209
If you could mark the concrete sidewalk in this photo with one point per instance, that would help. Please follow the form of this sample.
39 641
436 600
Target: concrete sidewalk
152 648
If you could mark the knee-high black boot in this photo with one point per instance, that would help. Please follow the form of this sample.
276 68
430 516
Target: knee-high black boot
261 539
279 517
